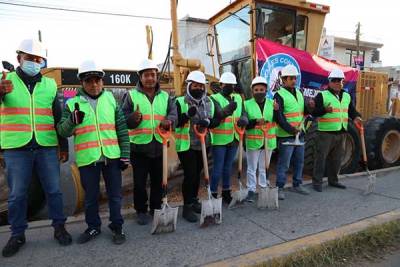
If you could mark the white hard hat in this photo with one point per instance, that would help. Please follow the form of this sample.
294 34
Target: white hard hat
32 47
228 78
196 76
259 80
147 64
88 68
289 70
336 73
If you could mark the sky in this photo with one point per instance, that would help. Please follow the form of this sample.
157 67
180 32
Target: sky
120 42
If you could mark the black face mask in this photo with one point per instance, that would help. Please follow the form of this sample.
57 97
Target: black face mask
197 94
259 97
227 89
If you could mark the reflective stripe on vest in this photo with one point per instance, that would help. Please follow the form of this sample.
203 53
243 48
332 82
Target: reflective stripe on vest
153 114
182 136
338 118
23 113
96 135
293 109
255 136
224 133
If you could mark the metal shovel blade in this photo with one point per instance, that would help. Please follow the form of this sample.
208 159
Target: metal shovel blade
272 198
238 197
165 219
294 143
211 212
371 184
262 198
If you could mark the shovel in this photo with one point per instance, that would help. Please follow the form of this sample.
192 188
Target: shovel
211 208
371 176
297 141
165 218
239 197
268 196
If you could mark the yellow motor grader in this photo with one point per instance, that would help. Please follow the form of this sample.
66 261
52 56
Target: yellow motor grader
226 42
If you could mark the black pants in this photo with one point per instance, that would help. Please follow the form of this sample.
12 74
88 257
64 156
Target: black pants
90 180
142 167
192 163
328 156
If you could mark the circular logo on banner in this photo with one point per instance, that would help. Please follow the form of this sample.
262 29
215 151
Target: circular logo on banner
271 70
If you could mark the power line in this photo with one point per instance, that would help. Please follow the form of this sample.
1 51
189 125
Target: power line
84 11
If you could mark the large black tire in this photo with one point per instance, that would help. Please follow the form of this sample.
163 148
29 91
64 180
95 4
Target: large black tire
351 158
382 138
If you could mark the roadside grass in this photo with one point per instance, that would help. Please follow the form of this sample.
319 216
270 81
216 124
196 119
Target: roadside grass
370 244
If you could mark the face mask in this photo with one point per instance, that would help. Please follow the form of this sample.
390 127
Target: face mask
30 68
259 97
197 94
227 89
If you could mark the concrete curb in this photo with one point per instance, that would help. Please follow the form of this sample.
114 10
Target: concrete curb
287 248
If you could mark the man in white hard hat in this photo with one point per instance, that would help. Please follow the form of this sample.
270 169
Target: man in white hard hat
29 112
333 107
146 107
289 117
101 145
194 108
224 139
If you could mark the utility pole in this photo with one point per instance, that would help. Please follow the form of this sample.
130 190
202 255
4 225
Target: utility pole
358 33
40 35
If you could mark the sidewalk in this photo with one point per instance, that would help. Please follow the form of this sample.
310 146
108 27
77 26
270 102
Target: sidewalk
243 230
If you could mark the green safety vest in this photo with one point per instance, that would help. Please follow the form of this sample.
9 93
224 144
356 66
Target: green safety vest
96 135
152 115
293 109
23 113
338 118
182 136
255 136
225 132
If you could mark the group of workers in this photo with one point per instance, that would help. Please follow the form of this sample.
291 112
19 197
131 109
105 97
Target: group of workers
108 137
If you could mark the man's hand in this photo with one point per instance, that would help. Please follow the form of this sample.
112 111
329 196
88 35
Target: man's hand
204 123
77 116
329 109
63 156
165 124
241 123
260 122
6 86
191 111
137 115
230 108
123 164
358 120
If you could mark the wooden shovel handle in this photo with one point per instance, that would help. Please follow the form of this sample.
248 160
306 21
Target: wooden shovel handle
360 128
202 137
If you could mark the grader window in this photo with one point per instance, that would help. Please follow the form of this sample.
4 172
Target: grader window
301 32
276 24
233 35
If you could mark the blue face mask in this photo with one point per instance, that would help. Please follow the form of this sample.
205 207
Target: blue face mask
30 68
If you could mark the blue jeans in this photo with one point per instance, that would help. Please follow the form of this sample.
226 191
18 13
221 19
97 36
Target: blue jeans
90 180
20 164
223 157
287 155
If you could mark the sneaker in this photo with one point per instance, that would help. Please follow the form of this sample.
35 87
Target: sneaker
337 185
142 218
281 194
300 190
88 235
188 214
118 235
13 245
62 236
196 206
251 197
